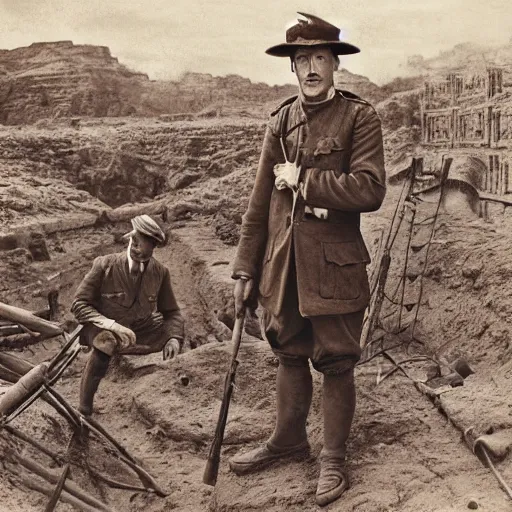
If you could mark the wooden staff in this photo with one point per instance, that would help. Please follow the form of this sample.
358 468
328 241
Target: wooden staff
36 444
65 497
147 480
70 487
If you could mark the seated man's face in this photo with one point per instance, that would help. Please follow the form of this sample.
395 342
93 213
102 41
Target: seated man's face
142 247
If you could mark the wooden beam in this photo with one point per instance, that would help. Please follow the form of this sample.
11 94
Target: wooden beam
21 316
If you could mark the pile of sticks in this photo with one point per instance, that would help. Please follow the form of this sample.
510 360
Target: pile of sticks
31 382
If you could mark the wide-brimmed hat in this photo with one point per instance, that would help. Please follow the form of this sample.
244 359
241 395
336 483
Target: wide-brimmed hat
312 32
147 226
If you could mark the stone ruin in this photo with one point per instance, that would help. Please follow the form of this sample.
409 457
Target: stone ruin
466 124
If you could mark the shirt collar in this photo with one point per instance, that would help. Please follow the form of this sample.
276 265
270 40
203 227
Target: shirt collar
130 260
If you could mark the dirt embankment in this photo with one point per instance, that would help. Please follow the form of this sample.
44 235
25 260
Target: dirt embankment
56 169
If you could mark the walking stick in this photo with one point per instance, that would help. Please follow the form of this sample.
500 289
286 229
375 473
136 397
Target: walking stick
212 465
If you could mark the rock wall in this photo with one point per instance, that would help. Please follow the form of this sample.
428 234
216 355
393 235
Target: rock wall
360 85
60 79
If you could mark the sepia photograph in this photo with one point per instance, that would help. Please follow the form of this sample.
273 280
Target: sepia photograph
255 256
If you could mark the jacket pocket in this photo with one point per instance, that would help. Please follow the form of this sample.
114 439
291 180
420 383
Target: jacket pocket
343 271
335 160
117 297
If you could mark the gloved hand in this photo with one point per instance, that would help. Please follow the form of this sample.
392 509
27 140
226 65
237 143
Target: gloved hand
171 349
125 335
287 176
241 293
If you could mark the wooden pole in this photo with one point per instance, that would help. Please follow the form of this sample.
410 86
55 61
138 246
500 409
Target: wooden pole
29 440
53 478
58 490
65 497
22 316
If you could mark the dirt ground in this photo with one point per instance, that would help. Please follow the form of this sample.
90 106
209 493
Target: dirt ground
406 453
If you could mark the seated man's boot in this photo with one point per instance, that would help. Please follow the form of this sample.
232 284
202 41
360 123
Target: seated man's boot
95 369
289 440
339 402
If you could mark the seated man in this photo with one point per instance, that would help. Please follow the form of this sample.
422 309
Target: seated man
127 306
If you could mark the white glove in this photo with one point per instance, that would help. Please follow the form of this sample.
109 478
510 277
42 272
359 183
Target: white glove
171 349
103 322
287 176
125 335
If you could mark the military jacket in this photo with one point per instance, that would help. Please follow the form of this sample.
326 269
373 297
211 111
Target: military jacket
342 170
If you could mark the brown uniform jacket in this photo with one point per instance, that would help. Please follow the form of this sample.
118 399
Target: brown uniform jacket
109 290
342 159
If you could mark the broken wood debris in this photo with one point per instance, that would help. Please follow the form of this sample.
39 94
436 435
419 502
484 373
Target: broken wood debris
31 382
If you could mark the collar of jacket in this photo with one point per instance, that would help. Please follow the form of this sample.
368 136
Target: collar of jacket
306 109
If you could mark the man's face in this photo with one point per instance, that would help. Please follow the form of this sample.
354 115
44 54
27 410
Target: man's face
314 68
142 247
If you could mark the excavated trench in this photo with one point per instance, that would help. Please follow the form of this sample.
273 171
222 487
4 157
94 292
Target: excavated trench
404 454
72 254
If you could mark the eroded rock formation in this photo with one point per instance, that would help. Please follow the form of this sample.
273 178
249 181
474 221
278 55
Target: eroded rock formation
60 79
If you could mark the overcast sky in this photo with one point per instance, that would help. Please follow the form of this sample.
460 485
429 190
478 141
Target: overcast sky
164 38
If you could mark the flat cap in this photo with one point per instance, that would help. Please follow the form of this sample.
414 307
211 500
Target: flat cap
147 226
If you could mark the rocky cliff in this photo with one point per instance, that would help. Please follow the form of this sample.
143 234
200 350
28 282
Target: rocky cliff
48 80
60 79
360 85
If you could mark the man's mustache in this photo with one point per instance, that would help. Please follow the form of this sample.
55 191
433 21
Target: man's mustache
313 75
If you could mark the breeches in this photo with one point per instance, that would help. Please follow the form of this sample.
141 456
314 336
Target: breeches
330 341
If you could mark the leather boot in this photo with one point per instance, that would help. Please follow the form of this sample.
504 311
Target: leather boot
95 369
289 440
339 402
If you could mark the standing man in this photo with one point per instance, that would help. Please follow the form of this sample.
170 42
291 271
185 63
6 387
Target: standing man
301 251
127 305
